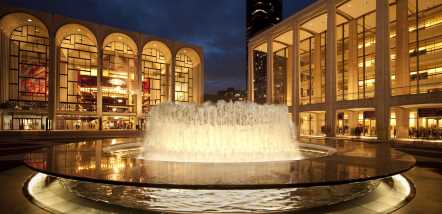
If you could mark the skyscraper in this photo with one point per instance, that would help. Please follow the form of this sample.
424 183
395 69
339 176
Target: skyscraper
261 14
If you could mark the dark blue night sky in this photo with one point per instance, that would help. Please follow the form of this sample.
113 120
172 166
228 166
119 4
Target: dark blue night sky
216 25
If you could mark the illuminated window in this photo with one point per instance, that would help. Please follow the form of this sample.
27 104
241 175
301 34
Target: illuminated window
366 55
183 79
28 66
342 74
119 65
78 74
282 64
312 123
154 78
260 73
425 46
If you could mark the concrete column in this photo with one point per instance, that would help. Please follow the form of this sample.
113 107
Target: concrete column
353 60
330 83
402 55
402 122
382 84
269 70
317 77
4 70
289 75
138 87
250 95
99 86
52 84
201 81
172 75
295 79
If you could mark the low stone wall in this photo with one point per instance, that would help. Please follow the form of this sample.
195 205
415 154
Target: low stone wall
21 136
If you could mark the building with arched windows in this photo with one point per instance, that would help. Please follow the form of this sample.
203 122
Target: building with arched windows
61 73
354 68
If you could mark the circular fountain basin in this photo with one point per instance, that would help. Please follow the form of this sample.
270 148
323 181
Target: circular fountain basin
113 171
344 162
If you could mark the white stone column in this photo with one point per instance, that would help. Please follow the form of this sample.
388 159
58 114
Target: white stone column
269 69
353 60
382 90
402 55
295 79
330 83
402 122
52 84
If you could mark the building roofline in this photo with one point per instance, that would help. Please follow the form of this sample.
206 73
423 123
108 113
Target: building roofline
9 8
298 17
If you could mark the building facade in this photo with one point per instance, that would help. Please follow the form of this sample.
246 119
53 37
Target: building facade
61 73
260 15
355 68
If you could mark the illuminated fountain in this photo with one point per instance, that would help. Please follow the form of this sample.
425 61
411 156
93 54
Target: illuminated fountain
218 158
225 132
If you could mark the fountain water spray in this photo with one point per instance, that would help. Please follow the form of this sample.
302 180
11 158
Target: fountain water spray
220 133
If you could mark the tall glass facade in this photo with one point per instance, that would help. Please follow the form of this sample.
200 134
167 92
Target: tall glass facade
343 83
118 78
154 78
312 69
98 83
183 79
425 45
366 33
77 74
28 67
260 73
282 65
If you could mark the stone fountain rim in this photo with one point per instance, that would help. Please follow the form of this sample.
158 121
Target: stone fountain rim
406 162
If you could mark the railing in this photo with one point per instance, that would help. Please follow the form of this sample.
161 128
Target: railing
412 89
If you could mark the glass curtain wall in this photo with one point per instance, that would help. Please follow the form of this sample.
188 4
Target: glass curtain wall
77 74
28 78
260 73
312 53
154 78
306 53
312 123
425 46
342 72
366 29
119 67
282 67
183 79
28 67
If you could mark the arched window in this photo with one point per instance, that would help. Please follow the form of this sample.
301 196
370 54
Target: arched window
78 74
154 77
183 79
28 66
118 83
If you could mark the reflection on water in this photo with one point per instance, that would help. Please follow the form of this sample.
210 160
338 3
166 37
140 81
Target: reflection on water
232 201
352 160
